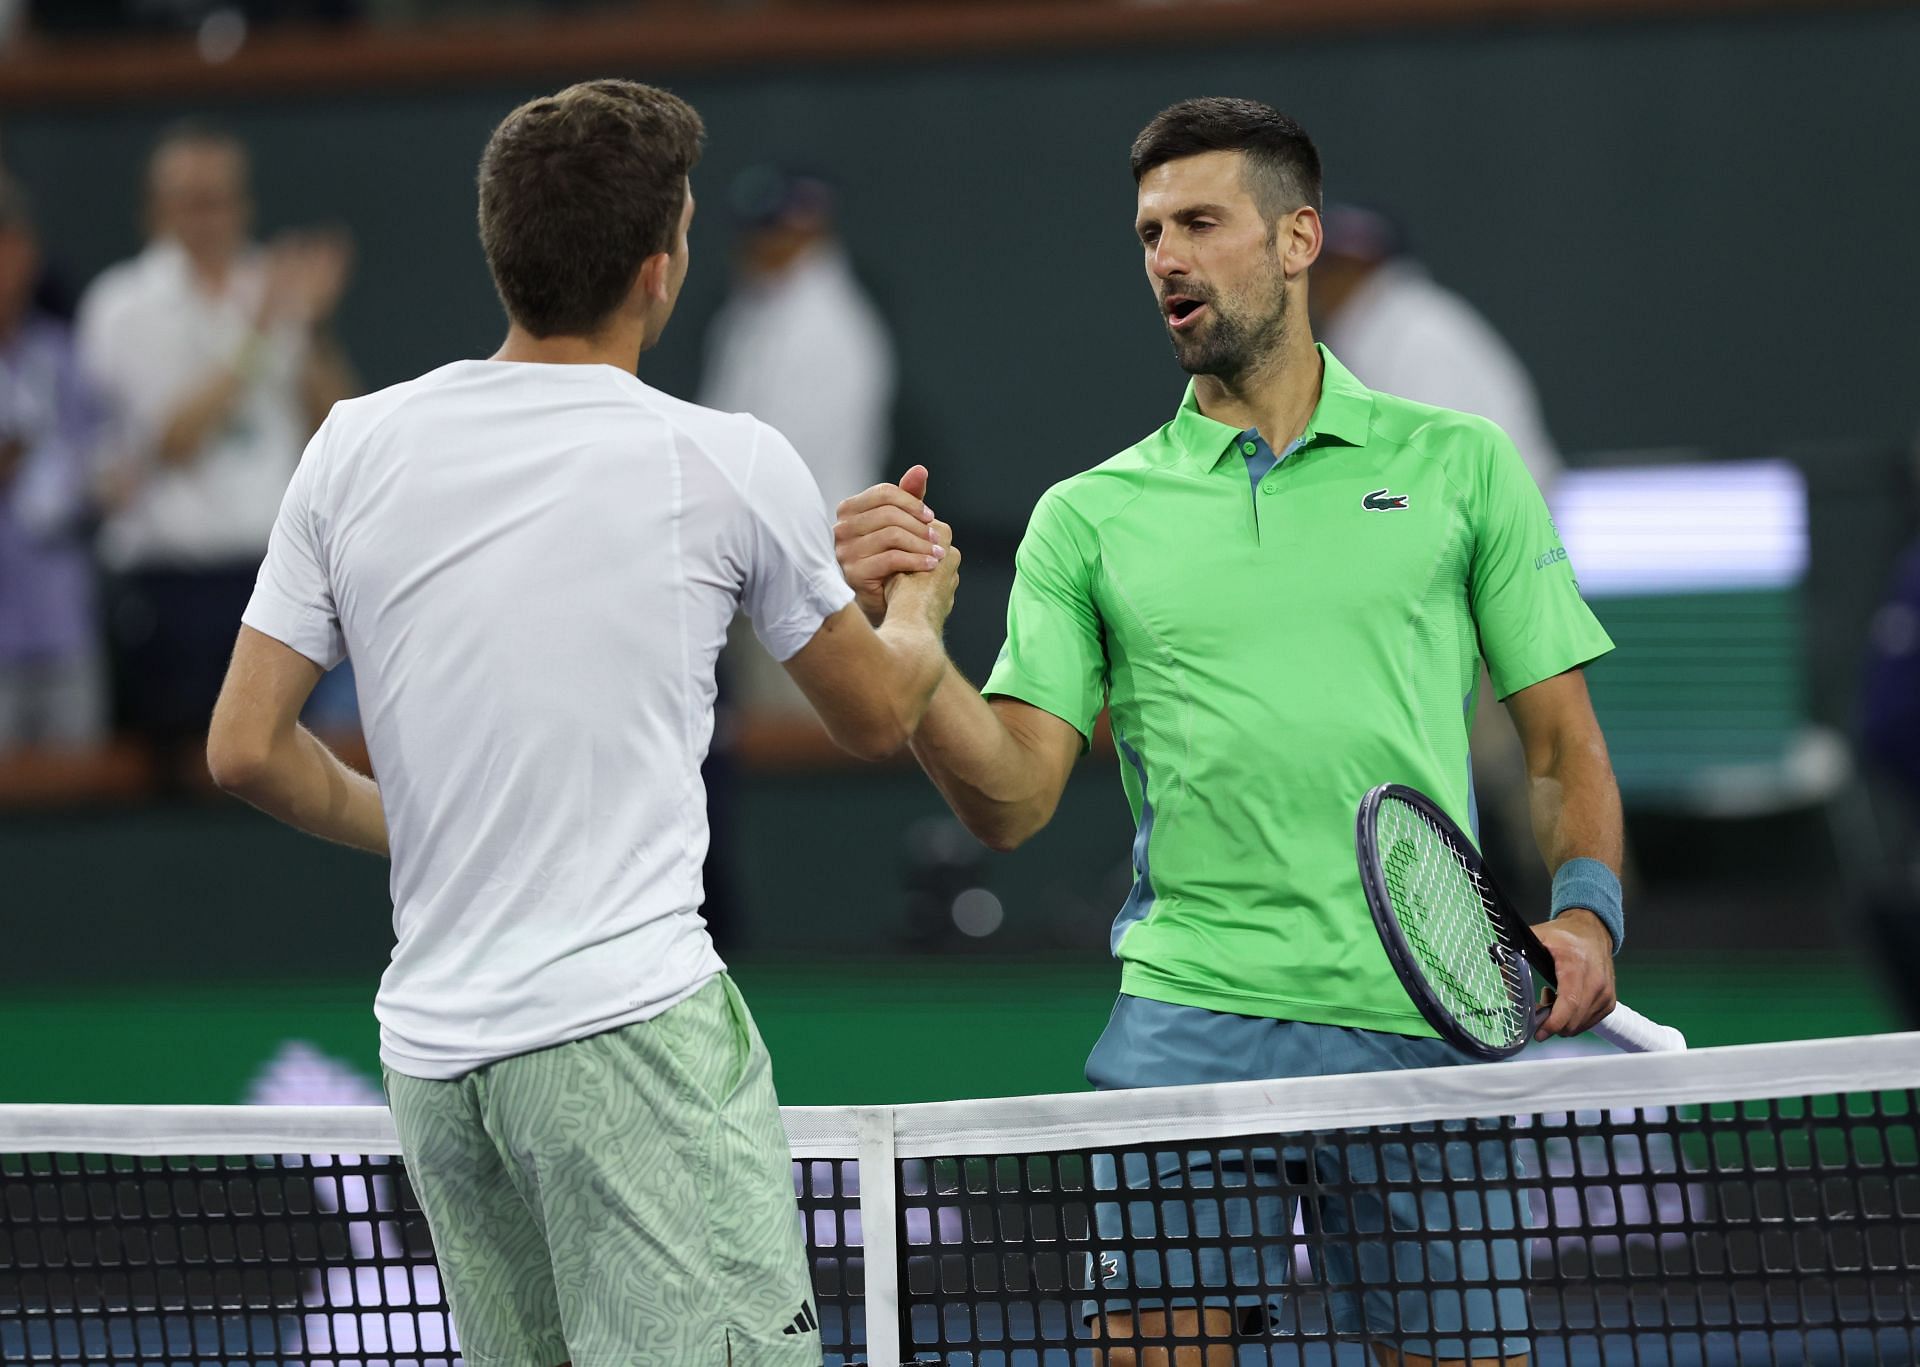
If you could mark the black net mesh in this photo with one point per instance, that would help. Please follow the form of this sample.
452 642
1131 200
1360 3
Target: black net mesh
1781 1232
308 1258
829 1192
293 1258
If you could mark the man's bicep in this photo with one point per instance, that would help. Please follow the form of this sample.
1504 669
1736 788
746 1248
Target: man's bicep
1558 724
1054 743
1554 712
268 683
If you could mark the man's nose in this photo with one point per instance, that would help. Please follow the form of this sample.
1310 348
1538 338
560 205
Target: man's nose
1166 261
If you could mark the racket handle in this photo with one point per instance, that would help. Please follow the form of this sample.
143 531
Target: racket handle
1633 1032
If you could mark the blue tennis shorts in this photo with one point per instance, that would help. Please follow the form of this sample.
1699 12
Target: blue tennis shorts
1436 1256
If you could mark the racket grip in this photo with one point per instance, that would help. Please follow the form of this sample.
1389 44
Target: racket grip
1633 1032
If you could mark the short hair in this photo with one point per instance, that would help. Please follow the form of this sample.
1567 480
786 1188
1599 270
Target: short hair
576 191
1283 166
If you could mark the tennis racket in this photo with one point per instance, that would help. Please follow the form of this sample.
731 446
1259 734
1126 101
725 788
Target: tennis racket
1464 954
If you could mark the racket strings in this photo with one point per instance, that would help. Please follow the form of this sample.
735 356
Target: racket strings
1446 912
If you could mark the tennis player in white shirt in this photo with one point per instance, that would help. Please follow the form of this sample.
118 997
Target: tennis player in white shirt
532 561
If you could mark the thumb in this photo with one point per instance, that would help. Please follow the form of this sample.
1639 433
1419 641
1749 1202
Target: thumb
915 481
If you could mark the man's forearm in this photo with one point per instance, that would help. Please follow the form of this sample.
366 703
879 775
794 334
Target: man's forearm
306 785
1576 805
1576 817
981 768
920 662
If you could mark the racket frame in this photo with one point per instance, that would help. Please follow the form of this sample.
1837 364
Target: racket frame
1535 963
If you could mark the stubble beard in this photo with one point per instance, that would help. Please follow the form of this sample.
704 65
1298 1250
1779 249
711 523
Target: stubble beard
1230 345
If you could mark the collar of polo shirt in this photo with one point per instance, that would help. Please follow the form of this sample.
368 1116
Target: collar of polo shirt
1344 414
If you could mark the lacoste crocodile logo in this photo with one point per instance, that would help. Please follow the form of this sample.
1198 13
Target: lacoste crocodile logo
1380 501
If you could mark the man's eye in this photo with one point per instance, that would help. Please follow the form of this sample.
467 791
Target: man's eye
1200 225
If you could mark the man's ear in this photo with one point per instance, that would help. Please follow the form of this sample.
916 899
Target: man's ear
1301 239
651 282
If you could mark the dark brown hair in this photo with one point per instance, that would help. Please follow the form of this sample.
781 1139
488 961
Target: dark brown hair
576 191
1283 166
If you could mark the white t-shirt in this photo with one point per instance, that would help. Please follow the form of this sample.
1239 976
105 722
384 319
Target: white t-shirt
1403 333
150 336
532 568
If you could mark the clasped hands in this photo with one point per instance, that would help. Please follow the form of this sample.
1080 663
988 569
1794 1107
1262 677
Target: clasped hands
893 550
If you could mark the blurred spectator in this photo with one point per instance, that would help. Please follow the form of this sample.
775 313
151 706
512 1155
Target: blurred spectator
52 679
798 344
1397 329
216 365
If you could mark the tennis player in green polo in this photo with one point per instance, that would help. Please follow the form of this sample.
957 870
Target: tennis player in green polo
1282 597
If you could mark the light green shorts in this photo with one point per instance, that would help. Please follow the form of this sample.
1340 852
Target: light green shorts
625 1199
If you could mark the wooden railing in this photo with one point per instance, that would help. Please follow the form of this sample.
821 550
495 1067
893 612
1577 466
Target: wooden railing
126 770
649 41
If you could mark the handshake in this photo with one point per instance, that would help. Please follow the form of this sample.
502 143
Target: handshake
895 554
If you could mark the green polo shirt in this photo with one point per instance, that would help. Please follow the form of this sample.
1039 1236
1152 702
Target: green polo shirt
1273 640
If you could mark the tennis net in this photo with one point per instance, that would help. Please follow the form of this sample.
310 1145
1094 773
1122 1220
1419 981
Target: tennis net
1729 1206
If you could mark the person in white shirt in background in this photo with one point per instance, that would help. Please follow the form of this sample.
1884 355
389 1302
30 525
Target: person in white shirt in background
799 345
1400 330
214 361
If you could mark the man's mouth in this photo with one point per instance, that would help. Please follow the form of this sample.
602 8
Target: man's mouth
1183 311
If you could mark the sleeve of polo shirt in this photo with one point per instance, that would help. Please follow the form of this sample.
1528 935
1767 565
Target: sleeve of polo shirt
1055 656
292 600
1533 624
793 580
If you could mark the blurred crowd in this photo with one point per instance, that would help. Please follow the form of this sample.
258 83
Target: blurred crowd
147 441
149 423
150 430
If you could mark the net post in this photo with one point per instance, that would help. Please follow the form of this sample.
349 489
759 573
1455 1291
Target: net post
873 1127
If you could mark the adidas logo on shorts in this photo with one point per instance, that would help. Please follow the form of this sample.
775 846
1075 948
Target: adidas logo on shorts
804 1322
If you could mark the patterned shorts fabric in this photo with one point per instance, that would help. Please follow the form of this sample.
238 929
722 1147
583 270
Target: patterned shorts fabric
622 1199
